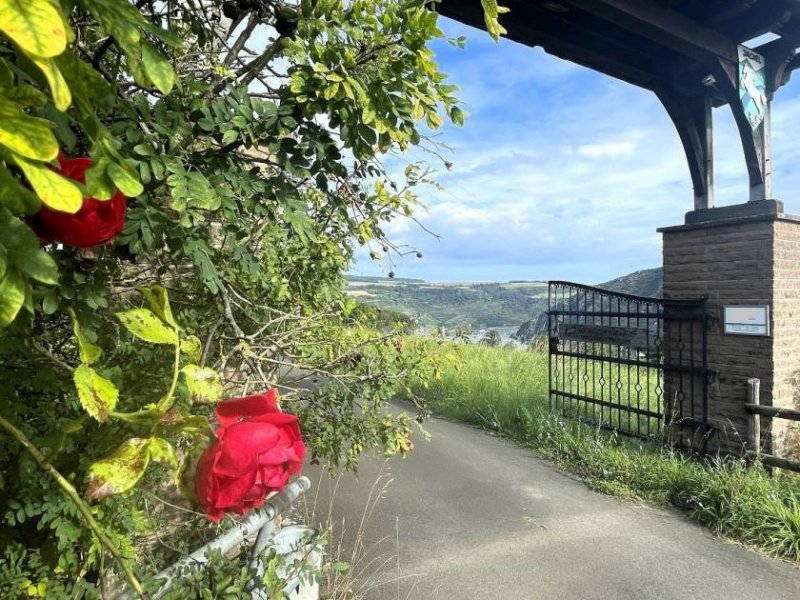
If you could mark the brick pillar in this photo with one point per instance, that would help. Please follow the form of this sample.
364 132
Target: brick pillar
740 255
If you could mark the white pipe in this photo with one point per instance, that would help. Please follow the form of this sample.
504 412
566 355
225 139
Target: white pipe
235 535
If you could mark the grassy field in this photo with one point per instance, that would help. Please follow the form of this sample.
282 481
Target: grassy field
505 390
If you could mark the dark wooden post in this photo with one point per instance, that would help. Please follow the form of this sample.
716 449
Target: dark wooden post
692 116
754 420
756 143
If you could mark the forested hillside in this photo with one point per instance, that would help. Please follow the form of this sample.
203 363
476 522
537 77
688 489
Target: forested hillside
480 305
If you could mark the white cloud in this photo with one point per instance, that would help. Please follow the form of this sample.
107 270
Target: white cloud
563 173
607 150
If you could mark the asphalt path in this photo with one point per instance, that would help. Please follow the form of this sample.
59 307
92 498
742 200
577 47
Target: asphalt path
468 515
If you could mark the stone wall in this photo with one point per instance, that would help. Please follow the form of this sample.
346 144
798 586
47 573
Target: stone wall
786 335
743 260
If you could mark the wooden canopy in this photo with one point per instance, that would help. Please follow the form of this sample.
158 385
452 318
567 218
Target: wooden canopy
685 51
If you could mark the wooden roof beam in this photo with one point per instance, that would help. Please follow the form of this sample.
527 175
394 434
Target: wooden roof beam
566 39
748 26
668 28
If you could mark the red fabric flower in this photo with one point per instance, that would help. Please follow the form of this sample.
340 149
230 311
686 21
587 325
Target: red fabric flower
95 223
258 448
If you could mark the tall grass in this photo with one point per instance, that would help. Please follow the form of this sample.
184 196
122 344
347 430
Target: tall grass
505 390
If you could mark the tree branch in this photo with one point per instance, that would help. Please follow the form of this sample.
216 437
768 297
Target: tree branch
80 504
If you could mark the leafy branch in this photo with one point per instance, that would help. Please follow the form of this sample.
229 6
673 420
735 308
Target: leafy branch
80 504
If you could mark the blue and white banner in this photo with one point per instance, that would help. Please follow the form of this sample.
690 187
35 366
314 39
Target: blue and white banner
752 85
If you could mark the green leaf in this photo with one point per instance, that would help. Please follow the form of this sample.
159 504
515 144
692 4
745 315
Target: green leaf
97 395
125 180
89 352
26 96
192 347
98 183
27 304
230 136
162 451
145 325
15 196
143 150
157 68
50 303
17 237
457 116
34 25
204 384
28 136
187 472
62 97
6 74
4 263
119 472
12 296
54 190
158 299
38 265
86 84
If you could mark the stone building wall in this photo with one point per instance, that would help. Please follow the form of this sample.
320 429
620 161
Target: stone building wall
731 262
786 336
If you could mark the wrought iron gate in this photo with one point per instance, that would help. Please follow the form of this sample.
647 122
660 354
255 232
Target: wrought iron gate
629 363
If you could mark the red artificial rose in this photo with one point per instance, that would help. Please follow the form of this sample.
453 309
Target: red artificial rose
95 223
258 448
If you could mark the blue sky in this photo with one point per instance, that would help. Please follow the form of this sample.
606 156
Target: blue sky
562 173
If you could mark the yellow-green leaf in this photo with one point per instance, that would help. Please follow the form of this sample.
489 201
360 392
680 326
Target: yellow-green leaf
89 352
158 299
203 384
145 325
97 395
34 25
98 184
157 68
28 136
491 11
124 180
59 89
192 347
12 296
54 190
162 451
119 472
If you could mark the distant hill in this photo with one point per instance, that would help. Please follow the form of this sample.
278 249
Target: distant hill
647 282
481 305
455 304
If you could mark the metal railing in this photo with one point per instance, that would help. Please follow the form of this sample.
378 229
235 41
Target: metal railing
259 522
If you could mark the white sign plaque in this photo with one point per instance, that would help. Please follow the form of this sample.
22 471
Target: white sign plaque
747 320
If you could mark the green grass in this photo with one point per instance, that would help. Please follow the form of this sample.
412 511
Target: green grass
587 377
506 391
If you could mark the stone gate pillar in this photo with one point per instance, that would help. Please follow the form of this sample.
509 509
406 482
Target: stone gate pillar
742 255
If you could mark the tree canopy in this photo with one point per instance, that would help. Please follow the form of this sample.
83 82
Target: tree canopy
243 142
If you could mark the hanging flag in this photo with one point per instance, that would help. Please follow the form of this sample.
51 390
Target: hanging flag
752 85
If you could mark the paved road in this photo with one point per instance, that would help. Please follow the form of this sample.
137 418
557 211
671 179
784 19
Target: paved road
468 516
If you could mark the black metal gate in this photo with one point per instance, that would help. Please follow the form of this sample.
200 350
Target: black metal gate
629 363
